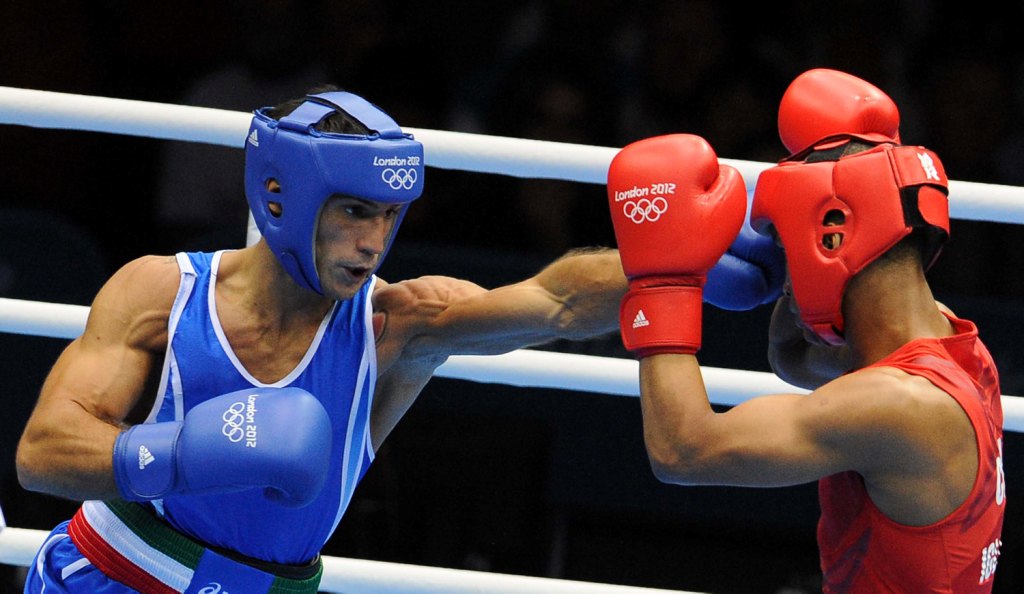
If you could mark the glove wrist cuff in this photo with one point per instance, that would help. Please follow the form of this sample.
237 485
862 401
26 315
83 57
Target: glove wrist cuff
663 319
145 465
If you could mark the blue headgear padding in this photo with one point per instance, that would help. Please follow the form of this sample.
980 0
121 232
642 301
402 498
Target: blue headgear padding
311 166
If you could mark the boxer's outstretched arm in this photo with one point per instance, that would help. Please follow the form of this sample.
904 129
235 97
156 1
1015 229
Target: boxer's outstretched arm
576 297
96 382
421 322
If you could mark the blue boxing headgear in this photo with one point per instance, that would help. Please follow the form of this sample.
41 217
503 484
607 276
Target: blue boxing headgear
311 166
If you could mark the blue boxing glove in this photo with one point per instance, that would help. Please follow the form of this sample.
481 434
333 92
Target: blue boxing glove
275 438
750 273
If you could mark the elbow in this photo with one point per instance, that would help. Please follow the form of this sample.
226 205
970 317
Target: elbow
678 464
32 466
667 472
30 476
684 453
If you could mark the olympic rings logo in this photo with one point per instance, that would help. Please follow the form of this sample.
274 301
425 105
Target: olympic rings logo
233 419
645 210
399 179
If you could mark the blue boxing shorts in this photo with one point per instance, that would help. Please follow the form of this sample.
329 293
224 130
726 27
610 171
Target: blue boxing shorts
60 567
115 547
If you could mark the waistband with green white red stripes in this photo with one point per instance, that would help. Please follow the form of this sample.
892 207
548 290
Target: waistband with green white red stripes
130 544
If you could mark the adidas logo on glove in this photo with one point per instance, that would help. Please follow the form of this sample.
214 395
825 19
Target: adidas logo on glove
145 457
640 320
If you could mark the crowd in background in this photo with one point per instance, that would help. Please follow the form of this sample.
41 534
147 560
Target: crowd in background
588 72
594 72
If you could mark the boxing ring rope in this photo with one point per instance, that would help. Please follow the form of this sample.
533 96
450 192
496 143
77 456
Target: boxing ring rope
358 576
443 149
525 368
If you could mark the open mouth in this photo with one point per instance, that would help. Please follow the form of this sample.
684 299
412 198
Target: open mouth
357 272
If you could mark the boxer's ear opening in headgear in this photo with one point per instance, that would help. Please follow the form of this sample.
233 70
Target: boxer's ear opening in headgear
833 218
316 147
843 203
276 209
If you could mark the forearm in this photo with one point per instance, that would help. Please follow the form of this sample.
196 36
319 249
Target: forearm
67 453
676 413
576 297
587 286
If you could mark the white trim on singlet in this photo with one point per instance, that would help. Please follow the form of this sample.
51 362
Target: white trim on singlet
223 339
170 371
367 374
370 355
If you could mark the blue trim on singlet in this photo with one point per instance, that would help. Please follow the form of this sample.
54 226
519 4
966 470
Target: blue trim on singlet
340 369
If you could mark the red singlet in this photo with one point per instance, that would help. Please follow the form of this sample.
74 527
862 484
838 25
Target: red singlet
864 551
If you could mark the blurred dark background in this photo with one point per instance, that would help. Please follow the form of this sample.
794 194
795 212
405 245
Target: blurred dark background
480 476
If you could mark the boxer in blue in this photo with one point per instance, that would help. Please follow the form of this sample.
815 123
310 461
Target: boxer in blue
220 408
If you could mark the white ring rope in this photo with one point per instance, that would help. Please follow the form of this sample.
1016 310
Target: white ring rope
447 150
358 576
526 368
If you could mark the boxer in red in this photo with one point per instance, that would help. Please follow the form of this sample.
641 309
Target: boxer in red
903 428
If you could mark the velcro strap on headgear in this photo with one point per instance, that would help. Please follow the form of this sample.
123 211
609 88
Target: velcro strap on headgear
918 167
367 113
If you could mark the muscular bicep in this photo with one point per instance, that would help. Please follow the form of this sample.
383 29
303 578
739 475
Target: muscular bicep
774 440
101 381
107 369
770 441
95 384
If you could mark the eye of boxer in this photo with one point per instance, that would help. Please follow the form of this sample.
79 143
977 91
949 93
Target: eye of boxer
833 218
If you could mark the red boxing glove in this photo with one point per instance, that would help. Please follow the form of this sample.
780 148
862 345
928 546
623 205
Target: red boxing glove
821 103
675 211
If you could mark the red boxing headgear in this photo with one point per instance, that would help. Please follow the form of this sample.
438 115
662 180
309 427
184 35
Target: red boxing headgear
834 217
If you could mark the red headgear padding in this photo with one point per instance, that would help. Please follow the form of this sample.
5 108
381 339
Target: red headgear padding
871 199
